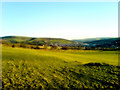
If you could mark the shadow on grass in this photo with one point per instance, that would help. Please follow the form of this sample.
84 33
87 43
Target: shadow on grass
97 64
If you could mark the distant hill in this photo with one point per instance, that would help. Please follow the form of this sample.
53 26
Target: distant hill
103 42
106 42
32 40
92 39
92 42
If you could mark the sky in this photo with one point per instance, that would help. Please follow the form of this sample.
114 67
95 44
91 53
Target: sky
69 20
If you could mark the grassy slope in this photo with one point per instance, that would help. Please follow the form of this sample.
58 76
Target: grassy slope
30 39
110 57
57 69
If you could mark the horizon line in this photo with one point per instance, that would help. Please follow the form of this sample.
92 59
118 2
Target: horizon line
59 37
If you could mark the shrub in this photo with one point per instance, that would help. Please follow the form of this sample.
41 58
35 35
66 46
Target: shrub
65 48
54 47
13 46
23 45
37 47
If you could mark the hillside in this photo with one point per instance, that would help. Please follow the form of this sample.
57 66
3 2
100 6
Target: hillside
91 42
111 42
92 39
104 42
31 40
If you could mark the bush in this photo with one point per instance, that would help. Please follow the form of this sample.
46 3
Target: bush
54 47
32 47
37 47
13 46
23 45
65 48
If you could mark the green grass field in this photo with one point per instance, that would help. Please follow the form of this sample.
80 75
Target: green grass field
28 68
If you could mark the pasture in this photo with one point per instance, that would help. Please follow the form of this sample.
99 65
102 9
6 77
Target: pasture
29 68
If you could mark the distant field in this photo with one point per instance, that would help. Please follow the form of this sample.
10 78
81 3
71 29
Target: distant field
82 56
28 68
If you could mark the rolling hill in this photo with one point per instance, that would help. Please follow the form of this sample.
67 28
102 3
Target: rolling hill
104 42
31 40
96 42
93 39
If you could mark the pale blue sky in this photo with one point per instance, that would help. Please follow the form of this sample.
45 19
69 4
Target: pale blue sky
60 19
